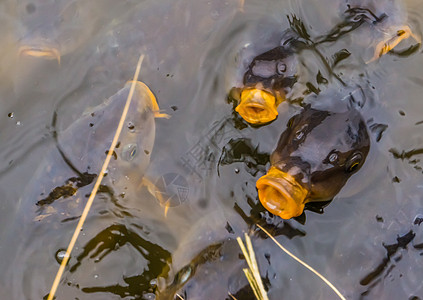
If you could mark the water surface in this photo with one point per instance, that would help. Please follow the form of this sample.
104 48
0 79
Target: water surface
368 241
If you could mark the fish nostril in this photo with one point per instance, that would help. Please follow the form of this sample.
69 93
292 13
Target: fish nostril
281 68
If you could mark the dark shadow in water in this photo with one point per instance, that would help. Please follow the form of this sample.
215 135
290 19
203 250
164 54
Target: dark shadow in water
242 150
353 18
68 189
238 122
112 239
71 185
208 255
388 263
274 224
408 155
299 28
406 52
245 293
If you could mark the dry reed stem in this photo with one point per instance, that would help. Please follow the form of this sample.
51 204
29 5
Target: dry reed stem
96 186
304 264
252 274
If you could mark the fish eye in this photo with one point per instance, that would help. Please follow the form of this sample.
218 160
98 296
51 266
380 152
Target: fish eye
184 274
333 157
300 133
280 68
354 162
30 8
129 152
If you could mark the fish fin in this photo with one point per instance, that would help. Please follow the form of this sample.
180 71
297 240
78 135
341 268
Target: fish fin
387 45
166 209
158 114
155 192
153 101
241 5
151 187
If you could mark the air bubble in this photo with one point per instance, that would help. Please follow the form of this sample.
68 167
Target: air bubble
60 255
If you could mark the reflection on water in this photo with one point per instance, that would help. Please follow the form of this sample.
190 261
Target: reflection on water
206 159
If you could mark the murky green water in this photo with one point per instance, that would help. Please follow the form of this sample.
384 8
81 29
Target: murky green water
205 160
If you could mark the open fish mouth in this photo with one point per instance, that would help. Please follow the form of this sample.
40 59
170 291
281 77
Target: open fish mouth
44 52
257 106
281 194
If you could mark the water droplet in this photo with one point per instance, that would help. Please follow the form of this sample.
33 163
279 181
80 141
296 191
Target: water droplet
214 14
96 276
60 255
11 115
236 170
131 126
418 219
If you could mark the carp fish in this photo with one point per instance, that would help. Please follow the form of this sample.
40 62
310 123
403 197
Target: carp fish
50 29
265 83
69 170
271 75
315 156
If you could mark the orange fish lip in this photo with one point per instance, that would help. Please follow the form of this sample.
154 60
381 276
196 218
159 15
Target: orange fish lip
44 52
257 106
281 194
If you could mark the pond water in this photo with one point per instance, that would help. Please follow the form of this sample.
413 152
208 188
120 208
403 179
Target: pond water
139 239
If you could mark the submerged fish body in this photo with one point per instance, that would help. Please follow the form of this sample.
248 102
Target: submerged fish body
50 29
206 264
314 158
272 74
171 47
64 179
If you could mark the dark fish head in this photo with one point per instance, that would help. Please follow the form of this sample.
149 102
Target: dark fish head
264 84
313 160
50 29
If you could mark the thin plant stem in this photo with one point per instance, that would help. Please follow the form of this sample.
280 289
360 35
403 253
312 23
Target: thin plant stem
303 263
96 186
